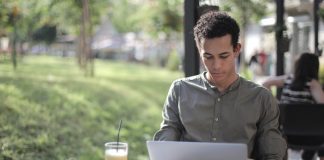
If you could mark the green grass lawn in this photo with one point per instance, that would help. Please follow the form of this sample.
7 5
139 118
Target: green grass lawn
49 110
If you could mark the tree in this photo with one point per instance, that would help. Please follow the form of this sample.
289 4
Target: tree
28 15
148 16
3 17
46 16
10 17
46 33
83 16
121 14
153 17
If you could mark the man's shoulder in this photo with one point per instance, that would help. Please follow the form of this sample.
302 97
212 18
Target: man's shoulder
195 78
257 93
252 86
196 81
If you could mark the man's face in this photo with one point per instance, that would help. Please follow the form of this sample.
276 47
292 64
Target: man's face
218 56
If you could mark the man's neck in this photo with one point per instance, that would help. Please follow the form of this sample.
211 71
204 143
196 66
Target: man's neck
221 87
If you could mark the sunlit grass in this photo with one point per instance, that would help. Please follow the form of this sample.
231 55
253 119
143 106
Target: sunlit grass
49 110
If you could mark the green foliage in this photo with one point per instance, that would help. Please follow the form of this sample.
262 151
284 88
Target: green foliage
49 110
246 73
5 58
127 16
4 15
321 74
33 14
73 10
245 11
46 33
173 61
148 16
321 13
121 15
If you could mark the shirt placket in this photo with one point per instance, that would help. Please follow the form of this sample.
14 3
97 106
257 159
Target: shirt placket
216 119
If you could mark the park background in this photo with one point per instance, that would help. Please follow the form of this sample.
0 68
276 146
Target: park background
70 70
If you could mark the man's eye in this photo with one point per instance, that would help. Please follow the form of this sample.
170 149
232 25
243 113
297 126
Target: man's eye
207 57
223 57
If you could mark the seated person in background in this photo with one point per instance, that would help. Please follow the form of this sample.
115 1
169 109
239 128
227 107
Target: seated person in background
301 87
218 105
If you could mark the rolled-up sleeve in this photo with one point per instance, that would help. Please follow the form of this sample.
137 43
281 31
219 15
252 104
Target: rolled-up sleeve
270 142
171 126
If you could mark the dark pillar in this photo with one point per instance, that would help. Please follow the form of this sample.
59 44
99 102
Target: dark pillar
191 57
279 39
316 19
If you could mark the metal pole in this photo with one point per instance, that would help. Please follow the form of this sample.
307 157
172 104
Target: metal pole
316 19
191 57
279 40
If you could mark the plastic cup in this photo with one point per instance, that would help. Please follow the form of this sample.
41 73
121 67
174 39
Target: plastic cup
116 151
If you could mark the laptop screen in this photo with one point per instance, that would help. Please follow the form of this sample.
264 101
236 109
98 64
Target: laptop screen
175 150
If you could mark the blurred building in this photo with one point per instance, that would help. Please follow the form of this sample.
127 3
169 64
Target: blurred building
299 19
4 44
107 42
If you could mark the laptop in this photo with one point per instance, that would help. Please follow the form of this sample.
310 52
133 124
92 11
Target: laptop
179 150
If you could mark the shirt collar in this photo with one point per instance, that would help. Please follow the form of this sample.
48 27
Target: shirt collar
233 86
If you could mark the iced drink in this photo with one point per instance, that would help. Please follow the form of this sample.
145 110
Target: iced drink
116 151
114 155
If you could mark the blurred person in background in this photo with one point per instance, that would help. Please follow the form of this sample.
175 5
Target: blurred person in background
301 87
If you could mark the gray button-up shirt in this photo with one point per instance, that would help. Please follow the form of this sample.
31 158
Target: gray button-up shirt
245 113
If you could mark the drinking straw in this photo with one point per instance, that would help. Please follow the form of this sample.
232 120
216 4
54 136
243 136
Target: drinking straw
120 124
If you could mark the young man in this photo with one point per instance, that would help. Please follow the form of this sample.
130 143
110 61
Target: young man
218 105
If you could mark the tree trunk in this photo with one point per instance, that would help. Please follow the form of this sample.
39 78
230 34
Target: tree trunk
82 43
14 49
88 53
85 57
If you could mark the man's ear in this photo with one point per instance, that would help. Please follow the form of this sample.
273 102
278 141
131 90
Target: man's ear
237 49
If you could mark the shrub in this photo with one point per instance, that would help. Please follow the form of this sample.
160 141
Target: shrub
173 62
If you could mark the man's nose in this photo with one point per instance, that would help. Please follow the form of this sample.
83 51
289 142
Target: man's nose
217 64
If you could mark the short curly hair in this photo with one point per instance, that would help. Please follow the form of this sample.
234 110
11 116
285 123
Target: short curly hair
216 24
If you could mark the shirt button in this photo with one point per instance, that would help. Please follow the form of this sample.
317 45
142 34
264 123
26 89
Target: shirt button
218 99
216 119
214 139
